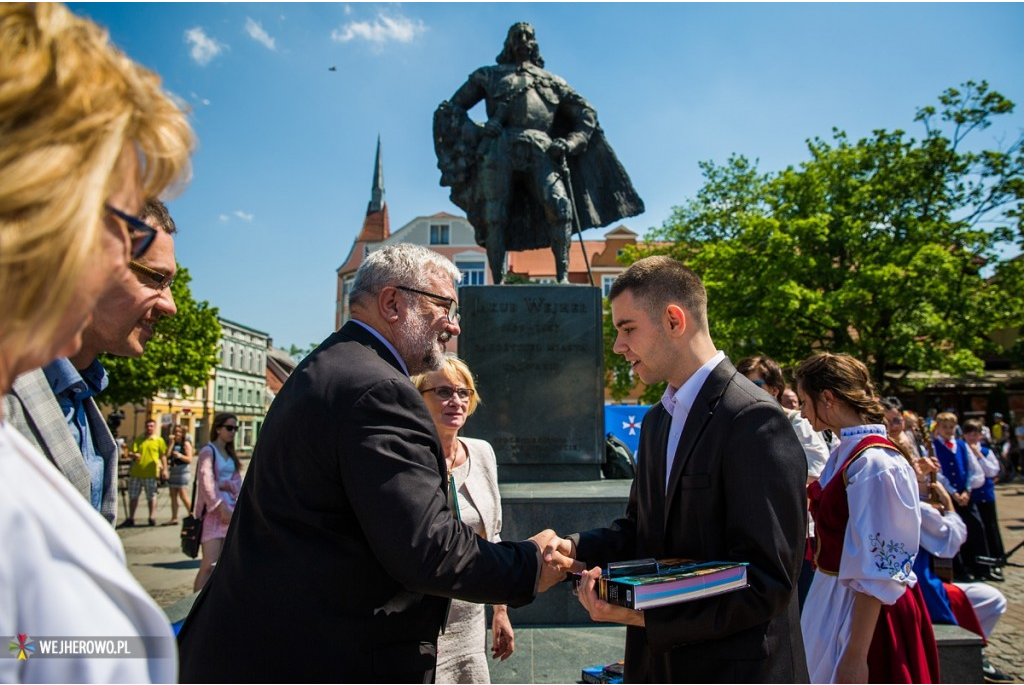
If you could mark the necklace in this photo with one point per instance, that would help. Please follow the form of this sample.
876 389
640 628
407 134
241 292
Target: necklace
455 458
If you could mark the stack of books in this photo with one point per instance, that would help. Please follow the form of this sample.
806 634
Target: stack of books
649 583
607 673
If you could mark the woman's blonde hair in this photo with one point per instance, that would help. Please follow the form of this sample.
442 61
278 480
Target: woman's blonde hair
457 372
69 103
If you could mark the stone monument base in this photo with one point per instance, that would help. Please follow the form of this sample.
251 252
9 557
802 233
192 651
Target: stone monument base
568 507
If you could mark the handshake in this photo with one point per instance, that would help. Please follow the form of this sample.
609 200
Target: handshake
558 557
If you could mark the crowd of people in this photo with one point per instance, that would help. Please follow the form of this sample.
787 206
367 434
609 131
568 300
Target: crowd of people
366 520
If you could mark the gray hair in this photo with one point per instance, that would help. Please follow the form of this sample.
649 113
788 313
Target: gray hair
401 264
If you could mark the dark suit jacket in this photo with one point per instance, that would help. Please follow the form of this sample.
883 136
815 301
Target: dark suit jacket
32 409
342 551
736 492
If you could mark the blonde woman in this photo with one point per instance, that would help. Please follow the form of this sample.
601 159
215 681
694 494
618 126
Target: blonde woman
85 136
472 472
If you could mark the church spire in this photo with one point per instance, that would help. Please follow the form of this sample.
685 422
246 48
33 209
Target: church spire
377 191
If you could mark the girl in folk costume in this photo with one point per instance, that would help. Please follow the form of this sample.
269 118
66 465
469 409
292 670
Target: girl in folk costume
864 619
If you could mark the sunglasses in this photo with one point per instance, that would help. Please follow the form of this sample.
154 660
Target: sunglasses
452 305
140 233
230 428
158 280
446 392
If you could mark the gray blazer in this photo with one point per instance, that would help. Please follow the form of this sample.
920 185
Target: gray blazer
31 408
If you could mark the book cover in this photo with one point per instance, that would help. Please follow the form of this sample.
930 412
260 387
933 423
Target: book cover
607 673
667 581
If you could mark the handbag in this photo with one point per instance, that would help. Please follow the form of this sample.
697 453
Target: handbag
191 534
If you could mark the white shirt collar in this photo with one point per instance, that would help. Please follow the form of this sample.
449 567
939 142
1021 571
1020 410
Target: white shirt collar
683 398
391 348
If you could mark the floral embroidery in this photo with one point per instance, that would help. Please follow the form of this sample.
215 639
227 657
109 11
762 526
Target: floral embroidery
892 557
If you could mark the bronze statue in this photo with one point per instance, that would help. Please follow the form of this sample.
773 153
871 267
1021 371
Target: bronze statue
539 168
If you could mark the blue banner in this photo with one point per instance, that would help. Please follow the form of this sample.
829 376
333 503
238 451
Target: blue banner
623 421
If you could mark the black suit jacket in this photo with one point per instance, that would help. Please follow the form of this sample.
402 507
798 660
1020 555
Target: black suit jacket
736 492
342 551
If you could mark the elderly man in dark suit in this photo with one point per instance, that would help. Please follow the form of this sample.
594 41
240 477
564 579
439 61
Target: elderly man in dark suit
342 552
55 407
721 477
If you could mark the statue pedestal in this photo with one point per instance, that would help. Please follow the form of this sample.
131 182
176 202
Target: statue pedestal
536 351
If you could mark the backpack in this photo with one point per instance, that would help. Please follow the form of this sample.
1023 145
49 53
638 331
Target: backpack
619 462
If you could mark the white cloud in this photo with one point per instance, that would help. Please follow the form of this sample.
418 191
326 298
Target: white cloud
256 32
383 29
224 218
243 216
204 48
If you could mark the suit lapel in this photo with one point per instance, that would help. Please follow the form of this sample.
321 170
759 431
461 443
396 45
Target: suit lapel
48 423
696 422
353 331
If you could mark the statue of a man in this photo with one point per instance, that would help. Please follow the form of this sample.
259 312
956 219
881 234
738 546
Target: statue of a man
539 158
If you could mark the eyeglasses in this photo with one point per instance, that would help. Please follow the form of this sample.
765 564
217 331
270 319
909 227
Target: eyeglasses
446 392
140 233
453 307
159 281
230 428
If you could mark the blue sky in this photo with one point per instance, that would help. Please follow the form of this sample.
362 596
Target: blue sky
283 171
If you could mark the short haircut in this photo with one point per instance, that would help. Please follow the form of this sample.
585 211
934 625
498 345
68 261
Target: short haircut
458 373
157 211
656 282
972 426
71 103
402 264
767 367
890 403
947 417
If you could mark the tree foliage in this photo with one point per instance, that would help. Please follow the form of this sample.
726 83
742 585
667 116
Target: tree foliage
888 248
182 351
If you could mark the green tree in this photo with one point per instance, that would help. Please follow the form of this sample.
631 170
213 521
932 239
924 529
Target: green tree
182 351
888 248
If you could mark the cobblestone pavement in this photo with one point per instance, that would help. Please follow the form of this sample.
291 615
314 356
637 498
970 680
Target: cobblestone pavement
1006 642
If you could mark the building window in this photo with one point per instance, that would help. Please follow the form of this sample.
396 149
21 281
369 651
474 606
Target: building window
606 285
249 396
472 272
220 394
231 357
231 395
439 234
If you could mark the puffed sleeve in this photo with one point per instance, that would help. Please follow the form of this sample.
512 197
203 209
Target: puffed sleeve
941 534
884 530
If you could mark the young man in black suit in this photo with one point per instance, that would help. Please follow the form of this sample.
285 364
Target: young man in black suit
721 477
342 552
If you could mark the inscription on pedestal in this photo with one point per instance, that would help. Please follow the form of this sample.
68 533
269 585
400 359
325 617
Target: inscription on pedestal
537 354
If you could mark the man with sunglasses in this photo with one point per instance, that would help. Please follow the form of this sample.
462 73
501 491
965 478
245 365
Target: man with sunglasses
55 407
343 527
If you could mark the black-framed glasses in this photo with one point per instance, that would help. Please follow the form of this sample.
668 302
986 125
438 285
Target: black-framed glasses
158 280
453 306
446 392
140 233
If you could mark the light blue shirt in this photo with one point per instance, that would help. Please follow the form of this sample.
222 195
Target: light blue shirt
72 388
678 402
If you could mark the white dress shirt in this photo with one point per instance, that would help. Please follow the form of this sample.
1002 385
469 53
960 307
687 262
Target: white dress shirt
678 402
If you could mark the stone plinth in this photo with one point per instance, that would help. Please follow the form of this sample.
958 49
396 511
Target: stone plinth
536 351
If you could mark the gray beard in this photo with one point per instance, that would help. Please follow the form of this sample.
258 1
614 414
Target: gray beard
421 350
